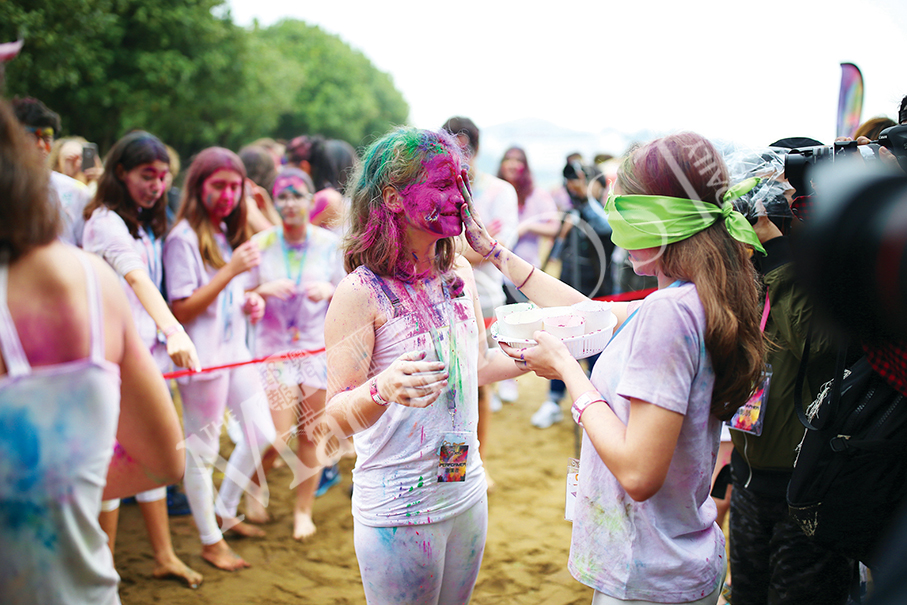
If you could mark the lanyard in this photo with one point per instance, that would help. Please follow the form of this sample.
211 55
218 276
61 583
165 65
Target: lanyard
765 312
153 255
451 359
287 258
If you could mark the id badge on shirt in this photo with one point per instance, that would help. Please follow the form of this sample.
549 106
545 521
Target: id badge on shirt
751 415
453 452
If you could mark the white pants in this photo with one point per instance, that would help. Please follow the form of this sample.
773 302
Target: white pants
204 400
432 564
600 598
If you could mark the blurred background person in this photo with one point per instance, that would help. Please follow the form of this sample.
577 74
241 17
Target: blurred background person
538 219
496 202
68 194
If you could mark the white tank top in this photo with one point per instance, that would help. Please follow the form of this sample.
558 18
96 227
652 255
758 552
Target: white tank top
397 458
57 429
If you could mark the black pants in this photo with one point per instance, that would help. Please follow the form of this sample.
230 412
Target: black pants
773 562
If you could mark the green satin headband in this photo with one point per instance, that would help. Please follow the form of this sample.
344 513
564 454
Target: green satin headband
652 221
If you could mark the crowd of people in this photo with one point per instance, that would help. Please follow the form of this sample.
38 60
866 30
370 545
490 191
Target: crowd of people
339 298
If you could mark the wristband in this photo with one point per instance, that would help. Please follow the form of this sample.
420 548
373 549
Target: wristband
171 330
584 401
520 287
376 396
493 246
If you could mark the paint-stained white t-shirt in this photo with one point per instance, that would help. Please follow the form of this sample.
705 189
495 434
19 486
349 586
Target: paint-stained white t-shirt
667 549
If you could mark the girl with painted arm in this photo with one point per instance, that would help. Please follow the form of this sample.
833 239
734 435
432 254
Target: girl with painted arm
206 257
685 360
125 225
406 353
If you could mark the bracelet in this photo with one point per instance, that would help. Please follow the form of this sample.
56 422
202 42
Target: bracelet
493 246
171 330
376 396
520 287
584 401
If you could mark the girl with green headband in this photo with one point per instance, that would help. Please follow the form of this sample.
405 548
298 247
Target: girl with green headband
679 363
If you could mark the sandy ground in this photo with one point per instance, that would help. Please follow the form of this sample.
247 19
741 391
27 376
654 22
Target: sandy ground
525 557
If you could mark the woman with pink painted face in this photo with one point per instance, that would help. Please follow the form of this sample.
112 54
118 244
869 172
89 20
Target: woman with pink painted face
206 259
300 268
406 353
126 223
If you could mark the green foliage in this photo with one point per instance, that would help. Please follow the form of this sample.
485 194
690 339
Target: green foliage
337 92
182 70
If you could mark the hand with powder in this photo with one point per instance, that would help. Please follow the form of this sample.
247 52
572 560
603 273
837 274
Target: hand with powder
477 235
318 291
283 289
412 382
548 359
254 307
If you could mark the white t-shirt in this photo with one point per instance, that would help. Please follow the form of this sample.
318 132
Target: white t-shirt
219 332
494 199
667 549
107 235
296 323
73 197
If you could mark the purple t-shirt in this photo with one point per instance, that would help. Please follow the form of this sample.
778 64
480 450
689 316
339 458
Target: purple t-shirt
667 549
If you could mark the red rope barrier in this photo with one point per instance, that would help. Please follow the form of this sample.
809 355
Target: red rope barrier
281 357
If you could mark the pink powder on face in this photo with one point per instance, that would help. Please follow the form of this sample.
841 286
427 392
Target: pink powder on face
221 193
434 202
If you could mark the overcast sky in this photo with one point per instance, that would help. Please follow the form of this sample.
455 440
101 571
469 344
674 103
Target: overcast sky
748 72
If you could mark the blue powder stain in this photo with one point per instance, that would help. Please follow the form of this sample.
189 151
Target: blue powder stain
386 535
20 448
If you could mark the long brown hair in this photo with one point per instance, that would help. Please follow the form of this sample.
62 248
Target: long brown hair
687 165
28 216
192 208
133 150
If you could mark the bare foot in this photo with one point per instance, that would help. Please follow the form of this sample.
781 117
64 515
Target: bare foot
222 556
302 525
172 567
255 511
237 527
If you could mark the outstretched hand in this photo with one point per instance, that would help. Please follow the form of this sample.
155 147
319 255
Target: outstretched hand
476 234
412 382
547 359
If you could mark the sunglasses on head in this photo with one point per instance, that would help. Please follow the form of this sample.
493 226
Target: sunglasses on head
46 132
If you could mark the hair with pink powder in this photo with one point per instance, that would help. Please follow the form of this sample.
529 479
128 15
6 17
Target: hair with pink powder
192 207
376 235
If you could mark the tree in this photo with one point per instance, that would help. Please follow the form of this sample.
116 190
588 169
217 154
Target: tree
338 92
182 70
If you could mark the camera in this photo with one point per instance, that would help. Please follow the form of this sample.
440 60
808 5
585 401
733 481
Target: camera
851 256
799 163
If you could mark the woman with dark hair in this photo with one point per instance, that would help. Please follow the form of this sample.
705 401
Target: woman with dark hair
684 360
537 211
125 225
205 258
406 352
81 398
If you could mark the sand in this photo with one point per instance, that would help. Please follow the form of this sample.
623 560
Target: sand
525 556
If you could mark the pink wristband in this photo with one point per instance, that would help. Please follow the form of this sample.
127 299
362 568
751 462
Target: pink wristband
373 391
